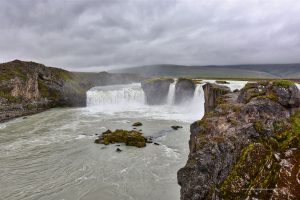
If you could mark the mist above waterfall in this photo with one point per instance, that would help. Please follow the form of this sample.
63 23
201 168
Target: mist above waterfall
129 100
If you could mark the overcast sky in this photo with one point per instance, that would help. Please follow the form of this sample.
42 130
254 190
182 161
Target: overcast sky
90 35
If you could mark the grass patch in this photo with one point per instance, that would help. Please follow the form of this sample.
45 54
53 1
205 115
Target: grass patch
283 83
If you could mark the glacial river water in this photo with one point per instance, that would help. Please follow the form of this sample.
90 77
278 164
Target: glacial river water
52 155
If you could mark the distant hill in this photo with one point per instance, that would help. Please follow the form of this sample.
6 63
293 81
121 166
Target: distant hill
219 71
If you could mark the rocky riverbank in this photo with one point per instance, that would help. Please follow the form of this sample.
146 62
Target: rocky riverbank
246 146
29 87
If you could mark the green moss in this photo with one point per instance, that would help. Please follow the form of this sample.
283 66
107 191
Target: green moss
234 171
130 138
220 100
9 97
247 172
272 96
153 79
11 70
283 83
259 127
63 74
47 92
295 121
258 163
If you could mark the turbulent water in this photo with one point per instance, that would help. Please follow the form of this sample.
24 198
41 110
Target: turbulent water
51 155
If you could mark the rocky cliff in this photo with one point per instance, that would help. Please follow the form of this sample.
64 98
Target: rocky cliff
156 90
247 146
184 90
28 87
213 92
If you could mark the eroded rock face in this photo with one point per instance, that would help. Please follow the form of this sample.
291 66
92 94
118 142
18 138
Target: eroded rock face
212 92
184 90
247 147
284 92
28 87
156 90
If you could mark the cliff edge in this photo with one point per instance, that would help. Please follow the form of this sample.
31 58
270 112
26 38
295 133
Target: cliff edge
246 146
29 87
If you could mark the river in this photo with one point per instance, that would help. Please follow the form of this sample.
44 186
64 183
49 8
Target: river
52 155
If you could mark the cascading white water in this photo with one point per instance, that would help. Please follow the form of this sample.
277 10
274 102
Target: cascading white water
198 100
198 94
116 97
130 100
171 93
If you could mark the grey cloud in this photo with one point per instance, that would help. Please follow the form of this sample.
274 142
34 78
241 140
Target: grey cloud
93 35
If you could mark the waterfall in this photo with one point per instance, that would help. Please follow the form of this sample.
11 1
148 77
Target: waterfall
171 93
116 96
197 103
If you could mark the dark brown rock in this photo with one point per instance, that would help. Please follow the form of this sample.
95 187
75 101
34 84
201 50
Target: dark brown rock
212 92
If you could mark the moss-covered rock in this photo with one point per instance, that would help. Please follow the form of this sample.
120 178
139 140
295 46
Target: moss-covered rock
245 149
29 87
282 91
130 138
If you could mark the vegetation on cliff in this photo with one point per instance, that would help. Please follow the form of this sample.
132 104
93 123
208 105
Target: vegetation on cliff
29 87
247 146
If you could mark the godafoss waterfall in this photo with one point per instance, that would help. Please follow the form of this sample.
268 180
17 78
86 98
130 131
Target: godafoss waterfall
52 155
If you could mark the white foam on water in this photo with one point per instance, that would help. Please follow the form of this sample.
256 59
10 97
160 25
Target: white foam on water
233 85
2 126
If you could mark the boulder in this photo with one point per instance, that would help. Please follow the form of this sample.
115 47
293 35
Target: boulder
176 127
137 124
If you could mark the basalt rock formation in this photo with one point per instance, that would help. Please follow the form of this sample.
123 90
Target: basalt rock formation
247 147
184 91
212 93
28 87
156 90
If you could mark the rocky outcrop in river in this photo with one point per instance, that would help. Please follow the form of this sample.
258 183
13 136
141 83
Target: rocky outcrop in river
156 90
184 90
247 146
28 87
